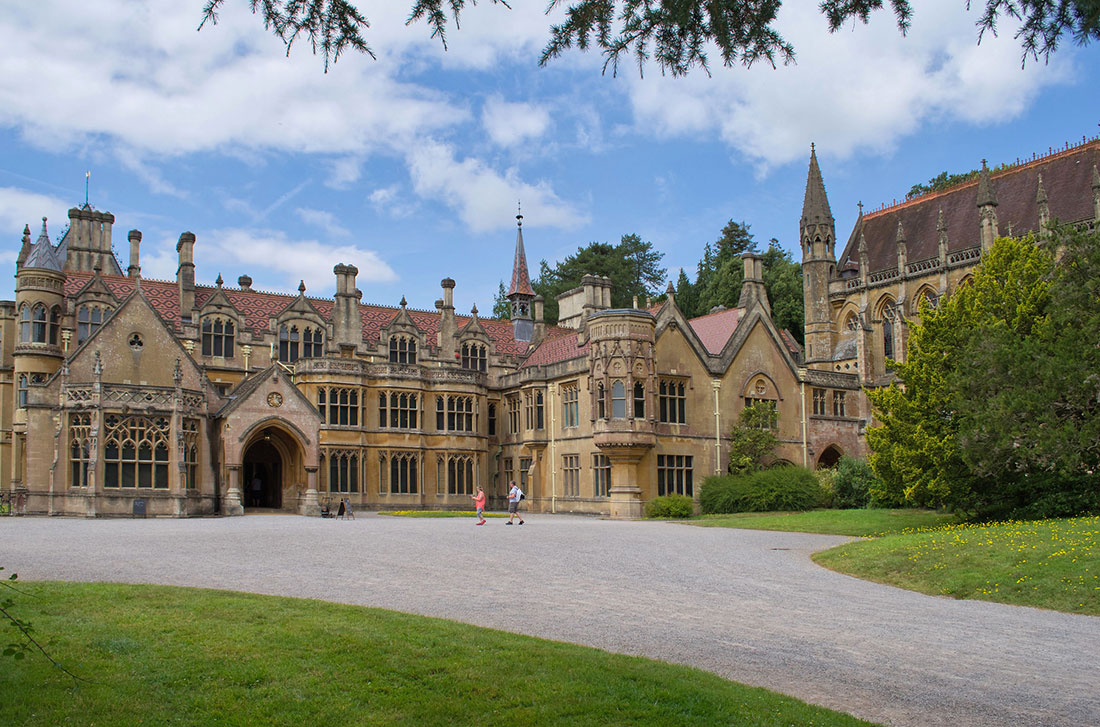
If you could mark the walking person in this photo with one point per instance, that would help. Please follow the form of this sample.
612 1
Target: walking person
514 496
479 503
257 488
349 514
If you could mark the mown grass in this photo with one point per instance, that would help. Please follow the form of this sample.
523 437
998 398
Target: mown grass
160 655
859 523
439 513
1051 564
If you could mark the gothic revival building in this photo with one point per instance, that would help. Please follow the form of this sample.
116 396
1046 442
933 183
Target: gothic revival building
859 305
131 395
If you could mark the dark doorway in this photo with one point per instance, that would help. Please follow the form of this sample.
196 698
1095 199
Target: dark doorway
262 462
829 458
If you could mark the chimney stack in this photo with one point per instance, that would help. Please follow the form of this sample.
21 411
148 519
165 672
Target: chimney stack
347 322
185 274
752 288
134 271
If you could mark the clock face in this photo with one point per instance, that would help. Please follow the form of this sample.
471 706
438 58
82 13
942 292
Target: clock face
274 399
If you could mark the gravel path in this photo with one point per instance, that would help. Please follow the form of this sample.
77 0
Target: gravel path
748 605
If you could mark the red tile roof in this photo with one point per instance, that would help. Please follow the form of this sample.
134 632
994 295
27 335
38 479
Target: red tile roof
715 329
257 307
560 344
1067 178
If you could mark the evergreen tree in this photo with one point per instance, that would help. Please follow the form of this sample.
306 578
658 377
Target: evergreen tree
502 307
783 283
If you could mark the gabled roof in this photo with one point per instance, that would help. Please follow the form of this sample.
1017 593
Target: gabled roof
1067 180
258 307
716 329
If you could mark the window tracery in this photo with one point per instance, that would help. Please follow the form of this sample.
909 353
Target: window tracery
135 452
402 349
217 337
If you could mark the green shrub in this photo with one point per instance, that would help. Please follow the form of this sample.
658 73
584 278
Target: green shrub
776 489
826 478
853 483
673 506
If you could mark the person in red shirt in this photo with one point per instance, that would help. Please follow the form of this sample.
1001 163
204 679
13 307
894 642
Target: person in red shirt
479 503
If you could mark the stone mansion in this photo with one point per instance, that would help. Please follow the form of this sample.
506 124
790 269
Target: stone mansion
126 395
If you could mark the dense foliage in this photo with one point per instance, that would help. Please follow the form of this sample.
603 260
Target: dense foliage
997 407
671 506
721 271
852 483
787 488
753 439
678 35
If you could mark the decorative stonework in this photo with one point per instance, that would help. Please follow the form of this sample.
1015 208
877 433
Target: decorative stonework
274 399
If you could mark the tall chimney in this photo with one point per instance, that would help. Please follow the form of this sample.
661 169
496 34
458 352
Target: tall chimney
134 271
185 274
347 322
752 288
448 327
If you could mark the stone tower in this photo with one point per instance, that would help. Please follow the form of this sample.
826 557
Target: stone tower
818 235
520 293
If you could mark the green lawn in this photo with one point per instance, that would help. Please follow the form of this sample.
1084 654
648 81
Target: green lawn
159 655
831 522
1048 563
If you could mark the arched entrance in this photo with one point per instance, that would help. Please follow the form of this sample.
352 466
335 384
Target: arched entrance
263 470
829 457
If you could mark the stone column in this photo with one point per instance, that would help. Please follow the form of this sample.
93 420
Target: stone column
232 504
311 507
626 495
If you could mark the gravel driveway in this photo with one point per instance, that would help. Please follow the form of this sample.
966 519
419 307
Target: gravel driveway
748 605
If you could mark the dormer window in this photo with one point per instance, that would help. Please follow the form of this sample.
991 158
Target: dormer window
289 338
217 337
88 320
402 350
474 357
312 343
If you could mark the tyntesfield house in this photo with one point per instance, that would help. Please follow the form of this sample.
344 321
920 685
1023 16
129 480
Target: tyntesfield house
123 394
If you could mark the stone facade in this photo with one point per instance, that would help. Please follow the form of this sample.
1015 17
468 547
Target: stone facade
127 395
860 305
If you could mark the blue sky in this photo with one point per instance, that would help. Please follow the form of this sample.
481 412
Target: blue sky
411 166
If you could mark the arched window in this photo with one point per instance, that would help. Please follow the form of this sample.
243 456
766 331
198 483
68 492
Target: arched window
24 324
343 471
38 330
639 400
312 341
618 400
288 344
217 337
887 335
460 475
402 350
135 452
601 402
55 324
88 320
403 473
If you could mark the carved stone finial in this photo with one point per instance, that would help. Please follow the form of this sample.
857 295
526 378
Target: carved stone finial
403 302
473 311
219 281
302 287
941 224
97 366
177 375
1041 193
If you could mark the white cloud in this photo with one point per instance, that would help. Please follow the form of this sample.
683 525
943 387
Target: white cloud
389 201
272 255
344 173
510 123
325 220
858 90
19 208
484 198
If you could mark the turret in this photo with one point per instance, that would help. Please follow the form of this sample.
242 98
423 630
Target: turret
520 293
185 274
347 321
817 234
987 208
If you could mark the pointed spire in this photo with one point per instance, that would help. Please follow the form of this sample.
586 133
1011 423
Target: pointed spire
1041 194
26 248
473 311
301 287
986 195
900 236
862 244
42 253
219 281
941 225
521 280
815 205
403 302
